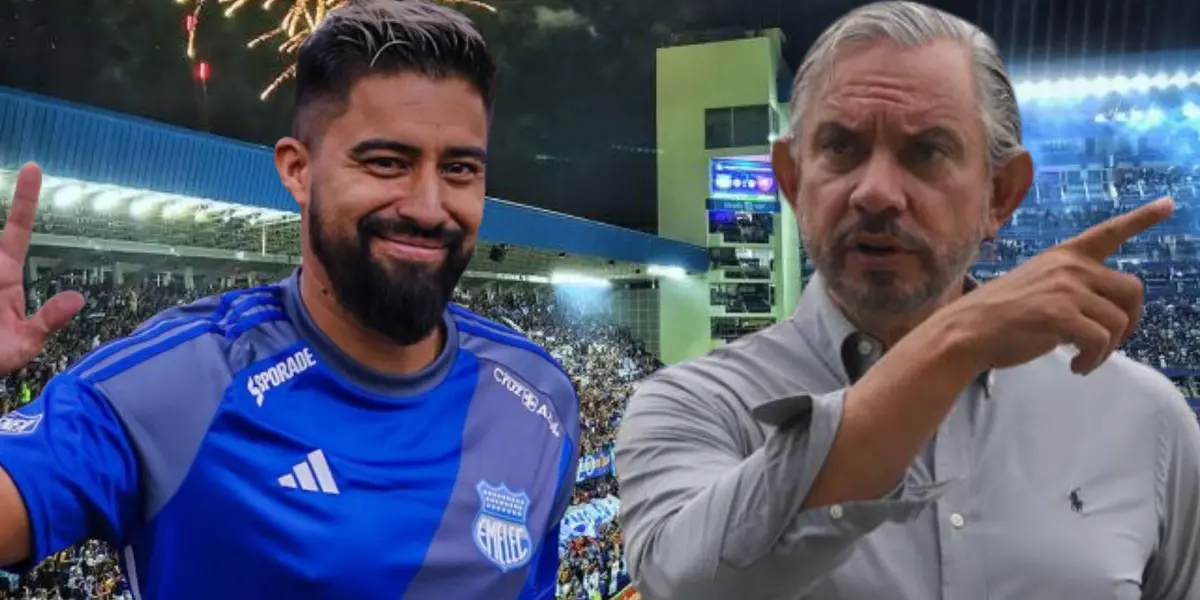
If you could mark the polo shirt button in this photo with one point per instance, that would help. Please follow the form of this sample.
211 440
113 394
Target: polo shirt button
957 521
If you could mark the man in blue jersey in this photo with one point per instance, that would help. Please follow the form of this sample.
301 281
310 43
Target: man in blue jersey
345 433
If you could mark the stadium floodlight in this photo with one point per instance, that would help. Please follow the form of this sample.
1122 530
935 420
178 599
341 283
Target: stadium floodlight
579 279
110 198
68 196
178 207
1099 87
666 271
142 207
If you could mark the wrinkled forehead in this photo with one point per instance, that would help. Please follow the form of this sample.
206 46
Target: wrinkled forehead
883 85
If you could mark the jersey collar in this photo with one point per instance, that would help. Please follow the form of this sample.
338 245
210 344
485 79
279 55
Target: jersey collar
386 384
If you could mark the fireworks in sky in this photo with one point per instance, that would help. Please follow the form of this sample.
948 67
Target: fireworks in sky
297 20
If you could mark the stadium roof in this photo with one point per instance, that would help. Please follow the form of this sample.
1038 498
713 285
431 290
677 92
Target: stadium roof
157 167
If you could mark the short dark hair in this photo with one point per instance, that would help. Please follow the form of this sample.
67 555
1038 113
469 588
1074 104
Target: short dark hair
381 37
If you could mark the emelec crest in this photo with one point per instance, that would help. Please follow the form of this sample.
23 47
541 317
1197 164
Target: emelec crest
500 529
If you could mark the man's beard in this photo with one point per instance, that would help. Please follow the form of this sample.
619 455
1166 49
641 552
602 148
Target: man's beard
884 292
401 300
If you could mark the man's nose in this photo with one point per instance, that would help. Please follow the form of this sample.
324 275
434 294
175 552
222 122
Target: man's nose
424 202
881 188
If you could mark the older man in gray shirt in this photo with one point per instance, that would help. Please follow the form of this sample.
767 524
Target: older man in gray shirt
898 437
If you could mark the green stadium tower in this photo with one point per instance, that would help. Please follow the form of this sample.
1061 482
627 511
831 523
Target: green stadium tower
717 113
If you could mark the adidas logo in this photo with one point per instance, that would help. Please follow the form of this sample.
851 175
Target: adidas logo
311 475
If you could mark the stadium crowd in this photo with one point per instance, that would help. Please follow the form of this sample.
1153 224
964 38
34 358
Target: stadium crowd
577 332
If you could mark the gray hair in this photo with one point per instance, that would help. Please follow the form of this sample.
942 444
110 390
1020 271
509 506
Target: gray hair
911 25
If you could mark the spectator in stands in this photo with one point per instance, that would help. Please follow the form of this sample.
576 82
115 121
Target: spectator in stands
334 431
818 459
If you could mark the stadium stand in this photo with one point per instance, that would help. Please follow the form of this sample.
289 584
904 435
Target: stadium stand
1069 201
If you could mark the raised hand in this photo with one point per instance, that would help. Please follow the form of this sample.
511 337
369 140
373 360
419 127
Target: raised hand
22 338
1064 295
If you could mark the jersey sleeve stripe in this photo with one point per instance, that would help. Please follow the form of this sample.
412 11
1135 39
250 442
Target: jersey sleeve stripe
158 327
220 305
478 320
566 479
130 564
116 351
253 319
247 303
496 334
510 340
137 354
98 357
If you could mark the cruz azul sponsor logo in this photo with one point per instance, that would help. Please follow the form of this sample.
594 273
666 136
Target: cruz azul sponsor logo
280 373
528 399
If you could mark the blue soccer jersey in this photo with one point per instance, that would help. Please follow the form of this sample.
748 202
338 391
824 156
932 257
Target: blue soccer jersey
231 451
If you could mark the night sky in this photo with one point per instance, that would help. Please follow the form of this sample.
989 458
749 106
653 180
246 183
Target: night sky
574 128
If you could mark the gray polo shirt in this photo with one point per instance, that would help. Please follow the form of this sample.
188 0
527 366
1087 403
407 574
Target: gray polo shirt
1040 484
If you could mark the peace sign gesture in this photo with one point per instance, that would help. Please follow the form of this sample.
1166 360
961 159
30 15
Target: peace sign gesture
22 338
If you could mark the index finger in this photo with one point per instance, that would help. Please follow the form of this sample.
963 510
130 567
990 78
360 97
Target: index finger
1100 241
18 226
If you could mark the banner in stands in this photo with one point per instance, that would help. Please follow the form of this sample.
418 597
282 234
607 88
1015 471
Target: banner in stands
585 520
597 464
627 594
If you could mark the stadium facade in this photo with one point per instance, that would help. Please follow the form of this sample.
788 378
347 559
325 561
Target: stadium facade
718 111
130 196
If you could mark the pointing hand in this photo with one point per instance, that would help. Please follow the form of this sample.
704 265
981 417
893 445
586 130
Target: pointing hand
1065 295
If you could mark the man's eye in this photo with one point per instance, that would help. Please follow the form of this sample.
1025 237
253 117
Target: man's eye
926 152
837 147
462 169
384 162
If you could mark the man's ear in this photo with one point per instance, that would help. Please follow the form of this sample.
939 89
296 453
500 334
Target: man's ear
1010 184
292 163
785 168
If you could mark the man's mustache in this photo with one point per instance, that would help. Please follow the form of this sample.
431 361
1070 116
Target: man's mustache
380 226
880 225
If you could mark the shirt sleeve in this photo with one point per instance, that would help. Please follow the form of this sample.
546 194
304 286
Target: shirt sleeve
543 577
705 519
1174 570
543 572
73 466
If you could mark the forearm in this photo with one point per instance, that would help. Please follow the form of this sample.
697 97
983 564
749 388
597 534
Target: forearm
891 413
703 523
14 523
